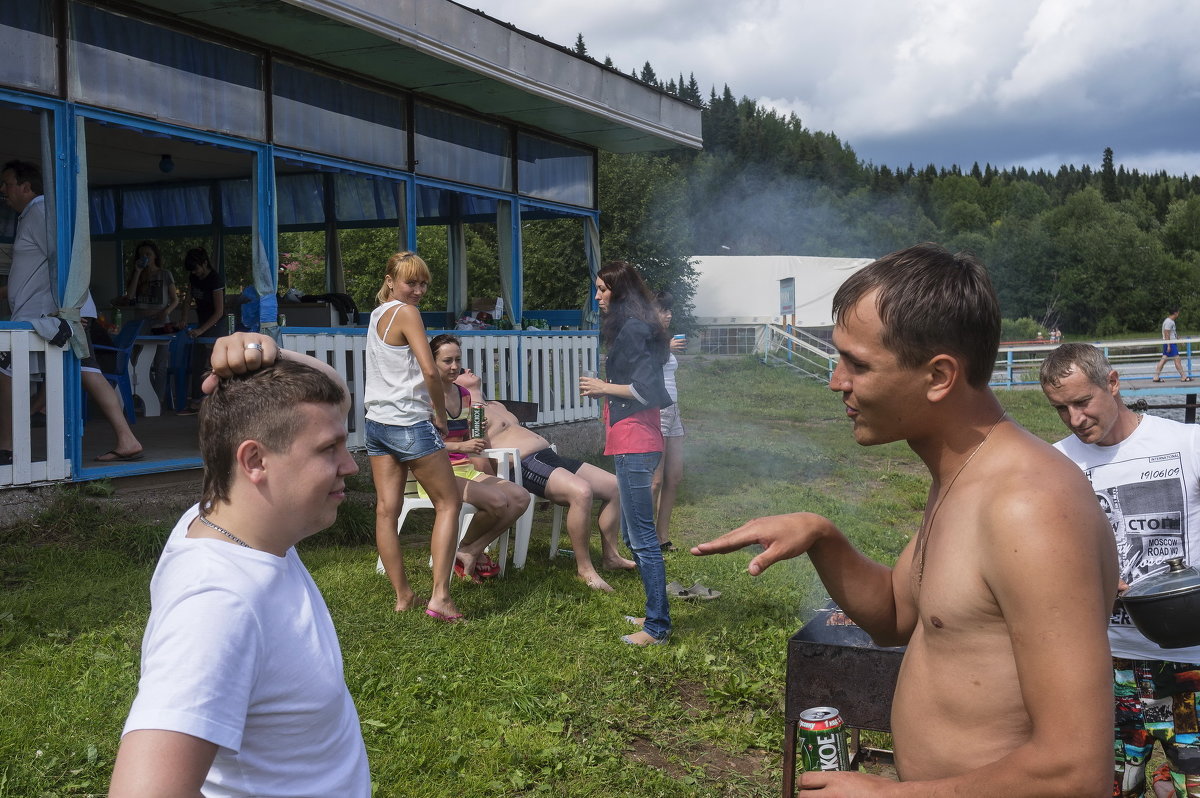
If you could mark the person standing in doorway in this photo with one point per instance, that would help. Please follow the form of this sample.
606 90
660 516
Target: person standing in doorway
1170 349
31 295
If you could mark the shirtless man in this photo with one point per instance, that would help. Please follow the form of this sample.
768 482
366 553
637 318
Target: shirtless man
564 481
1004 594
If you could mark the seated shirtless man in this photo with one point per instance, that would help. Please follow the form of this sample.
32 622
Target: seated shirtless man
1003 595
564 481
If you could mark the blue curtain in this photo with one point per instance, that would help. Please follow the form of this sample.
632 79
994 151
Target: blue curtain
133 65
166 206
362 198
315 112
456 147
300 199
553 171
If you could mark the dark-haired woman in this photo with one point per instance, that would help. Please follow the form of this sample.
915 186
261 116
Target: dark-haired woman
498 502
635 343
151 292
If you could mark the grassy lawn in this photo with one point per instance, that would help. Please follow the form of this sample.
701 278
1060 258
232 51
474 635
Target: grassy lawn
535 695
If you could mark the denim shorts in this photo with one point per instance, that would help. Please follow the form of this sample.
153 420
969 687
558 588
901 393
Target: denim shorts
404 443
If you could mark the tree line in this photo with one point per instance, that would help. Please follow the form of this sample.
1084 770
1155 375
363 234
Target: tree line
1095 252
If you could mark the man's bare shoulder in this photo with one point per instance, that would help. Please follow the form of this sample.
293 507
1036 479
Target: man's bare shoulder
1039 498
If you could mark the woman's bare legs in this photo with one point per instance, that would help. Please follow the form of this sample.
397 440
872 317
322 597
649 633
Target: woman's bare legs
499 503
666 485
390 476
437 478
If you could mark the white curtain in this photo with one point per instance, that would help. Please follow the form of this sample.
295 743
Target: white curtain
504 237
591 246
456 251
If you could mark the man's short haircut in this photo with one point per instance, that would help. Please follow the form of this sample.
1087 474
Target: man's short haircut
25 172
931 302
1085 358
262 406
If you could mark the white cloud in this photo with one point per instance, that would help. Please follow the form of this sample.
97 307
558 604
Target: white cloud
897 79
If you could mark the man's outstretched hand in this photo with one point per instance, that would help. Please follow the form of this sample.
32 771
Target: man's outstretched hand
781 536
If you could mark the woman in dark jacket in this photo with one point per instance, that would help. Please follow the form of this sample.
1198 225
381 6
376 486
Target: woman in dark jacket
636 345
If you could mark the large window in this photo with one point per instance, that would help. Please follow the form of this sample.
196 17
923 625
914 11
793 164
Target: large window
27 37
554 171
324 114
463 149
131 65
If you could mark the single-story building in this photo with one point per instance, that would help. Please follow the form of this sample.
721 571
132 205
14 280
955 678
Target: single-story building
737 296
230 125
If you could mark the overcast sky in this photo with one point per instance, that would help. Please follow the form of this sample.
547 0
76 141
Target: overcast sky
1035 83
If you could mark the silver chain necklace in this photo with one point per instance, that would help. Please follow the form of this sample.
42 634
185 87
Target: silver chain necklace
224 532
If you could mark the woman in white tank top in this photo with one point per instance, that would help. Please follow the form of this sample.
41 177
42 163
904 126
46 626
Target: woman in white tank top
406 421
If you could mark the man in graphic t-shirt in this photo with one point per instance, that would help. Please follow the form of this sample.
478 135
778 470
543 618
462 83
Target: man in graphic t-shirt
1146 474
1170 350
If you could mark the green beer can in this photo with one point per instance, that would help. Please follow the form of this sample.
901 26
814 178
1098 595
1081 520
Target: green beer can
822 737
478 421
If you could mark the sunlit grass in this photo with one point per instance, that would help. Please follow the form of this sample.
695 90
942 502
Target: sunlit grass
535 694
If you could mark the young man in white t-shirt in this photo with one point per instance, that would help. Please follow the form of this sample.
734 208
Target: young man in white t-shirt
242 691
1145 471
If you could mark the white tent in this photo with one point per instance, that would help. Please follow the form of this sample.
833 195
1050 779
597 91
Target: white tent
744 289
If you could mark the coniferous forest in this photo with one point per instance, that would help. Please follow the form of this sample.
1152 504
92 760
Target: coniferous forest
1094 252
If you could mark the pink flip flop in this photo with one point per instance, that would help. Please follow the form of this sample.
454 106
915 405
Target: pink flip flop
437 616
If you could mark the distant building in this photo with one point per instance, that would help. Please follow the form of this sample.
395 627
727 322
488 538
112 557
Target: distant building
738 295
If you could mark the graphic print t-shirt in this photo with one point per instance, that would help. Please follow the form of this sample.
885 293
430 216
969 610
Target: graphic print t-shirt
1147 486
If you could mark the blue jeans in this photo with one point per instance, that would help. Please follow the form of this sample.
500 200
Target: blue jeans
635 472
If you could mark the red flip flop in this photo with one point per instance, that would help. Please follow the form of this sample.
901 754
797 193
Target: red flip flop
461 572
486 567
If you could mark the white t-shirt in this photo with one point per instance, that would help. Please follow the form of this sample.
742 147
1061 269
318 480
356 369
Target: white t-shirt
395 391
1149 487
1169 329
240 651
669 369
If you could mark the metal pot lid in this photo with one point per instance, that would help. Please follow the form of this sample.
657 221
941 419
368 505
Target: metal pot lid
1179 578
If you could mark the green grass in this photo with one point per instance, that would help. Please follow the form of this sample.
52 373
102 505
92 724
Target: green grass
535 695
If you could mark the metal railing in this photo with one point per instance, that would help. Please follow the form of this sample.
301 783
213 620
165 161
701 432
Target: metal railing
1016 364
39 453
791 346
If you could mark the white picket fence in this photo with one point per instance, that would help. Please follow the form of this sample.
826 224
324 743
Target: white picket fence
531 367
39 455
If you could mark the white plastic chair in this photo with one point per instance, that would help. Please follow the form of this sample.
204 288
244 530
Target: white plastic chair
506 459
524 524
